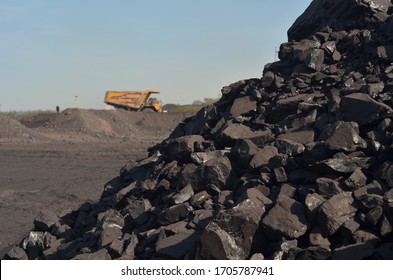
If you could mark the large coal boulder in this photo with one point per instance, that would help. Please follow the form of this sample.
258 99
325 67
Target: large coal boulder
338 15
297 164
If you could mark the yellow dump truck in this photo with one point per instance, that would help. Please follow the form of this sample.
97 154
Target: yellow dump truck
133 100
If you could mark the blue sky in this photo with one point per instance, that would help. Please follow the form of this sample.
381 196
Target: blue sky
53 50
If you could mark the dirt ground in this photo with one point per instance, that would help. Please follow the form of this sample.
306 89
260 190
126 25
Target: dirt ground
60 161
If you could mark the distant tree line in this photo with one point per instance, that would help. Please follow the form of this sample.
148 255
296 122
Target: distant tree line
206 101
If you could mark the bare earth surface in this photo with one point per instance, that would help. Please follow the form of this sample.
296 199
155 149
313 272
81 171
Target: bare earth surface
60 161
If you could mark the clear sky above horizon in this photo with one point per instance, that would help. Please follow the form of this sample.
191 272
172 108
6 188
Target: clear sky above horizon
54 50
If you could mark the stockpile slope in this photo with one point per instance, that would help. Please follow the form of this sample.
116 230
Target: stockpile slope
295 165
106 125
13 131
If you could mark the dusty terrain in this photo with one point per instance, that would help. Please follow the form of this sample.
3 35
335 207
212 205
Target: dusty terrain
59 161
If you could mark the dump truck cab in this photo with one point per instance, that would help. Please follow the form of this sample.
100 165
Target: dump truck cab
133 100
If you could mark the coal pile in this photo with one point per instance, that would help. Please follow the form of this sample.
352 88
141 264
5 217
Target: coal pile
295 165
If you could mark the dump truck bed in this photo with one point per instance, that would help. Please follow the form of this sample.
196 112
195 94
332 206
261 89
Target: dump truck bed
130 100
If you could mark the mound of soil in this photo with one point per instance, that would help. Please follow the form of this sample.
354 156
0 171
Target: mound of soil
98 125
13 131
